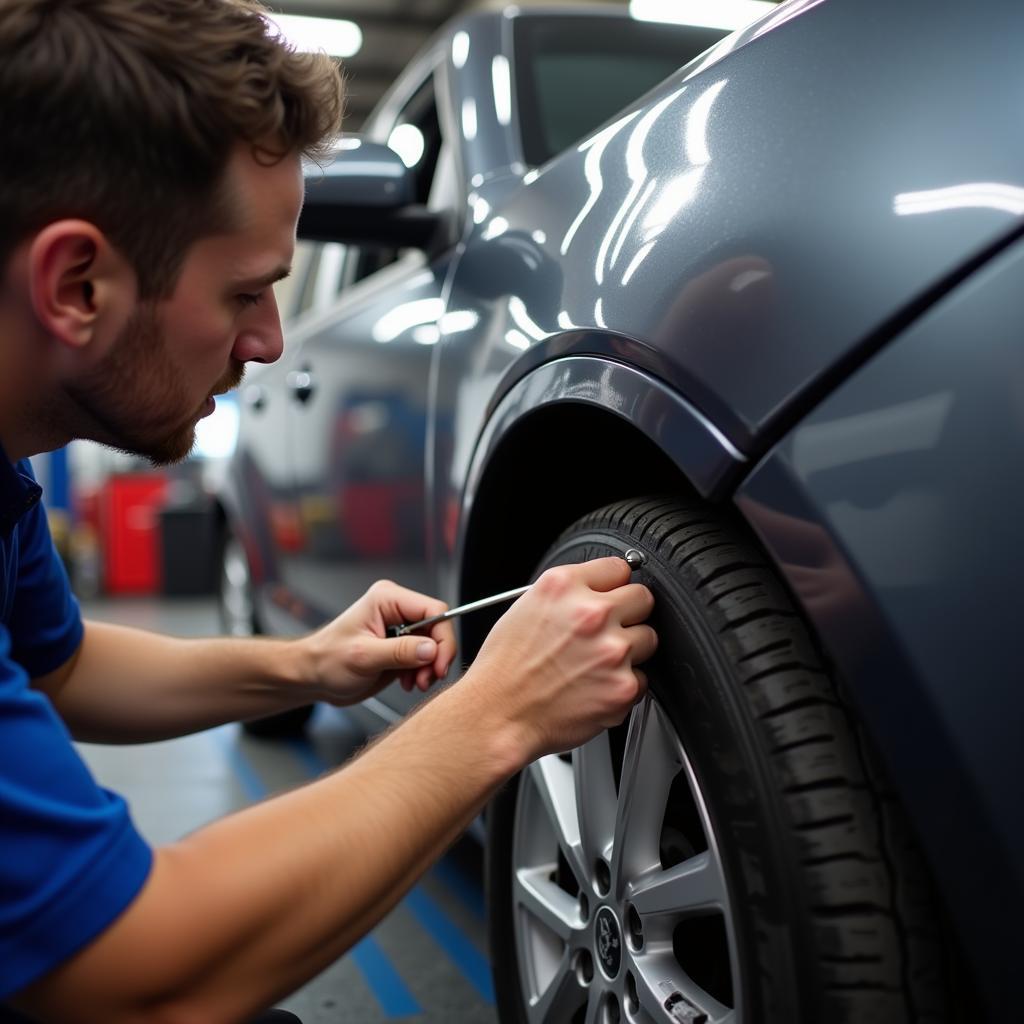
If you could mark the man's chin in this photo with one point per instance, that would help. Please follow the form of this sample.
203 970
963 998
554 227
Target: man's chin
173 450
166 452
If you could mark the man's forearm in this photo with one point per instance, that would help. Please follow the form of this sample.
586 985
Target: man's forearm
130 686
247 909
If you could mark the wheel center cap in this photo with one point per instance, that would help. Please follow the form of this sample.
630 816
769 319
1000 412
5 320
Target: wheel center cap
608 941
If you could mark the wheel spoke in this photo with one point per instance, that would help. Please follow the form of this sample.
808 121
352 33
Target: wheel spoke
593 1015
595 797
554 780
548 902
650 762
695 884
664 989
561 999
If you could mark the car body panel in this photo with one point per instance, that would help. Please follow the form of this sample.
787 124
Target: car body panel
895 511
693 225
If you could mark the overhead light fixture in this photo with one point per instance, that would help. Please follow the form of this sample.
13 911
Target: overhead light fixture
335 36
731 14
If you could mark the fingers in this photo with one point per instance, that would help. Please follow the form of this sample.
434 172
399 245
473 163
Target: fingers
634 602
398 604
643 642
603 574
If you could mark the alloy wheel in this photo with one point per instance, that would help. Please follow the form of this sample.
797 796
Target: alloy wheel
620 900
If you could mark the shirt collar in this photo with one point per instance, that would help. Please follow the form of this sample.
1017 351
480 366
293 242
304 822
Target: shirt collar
19 492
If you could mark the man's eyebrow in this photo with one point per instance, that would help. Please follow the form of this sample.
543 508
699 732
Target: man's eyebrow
259 283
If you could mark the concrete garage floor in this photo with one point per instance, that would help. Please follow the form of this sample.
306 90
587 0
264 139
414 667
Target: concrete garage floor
427 961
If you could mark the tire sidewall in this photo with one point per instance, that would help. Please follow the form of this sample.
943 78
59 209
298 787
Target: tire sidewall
691 678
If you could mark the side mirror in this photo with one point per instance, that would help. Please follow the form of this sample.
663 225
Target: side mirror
365 194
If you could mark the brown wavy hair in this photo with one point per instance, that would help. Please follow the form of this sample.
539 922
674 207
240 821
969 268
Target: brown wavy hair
126 112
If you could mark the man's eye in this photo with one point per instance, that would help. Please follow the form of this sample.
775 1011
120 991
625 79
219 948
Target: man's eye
250 300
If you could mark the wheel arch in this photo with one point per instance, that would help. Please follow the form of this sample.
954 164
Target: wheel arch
575 434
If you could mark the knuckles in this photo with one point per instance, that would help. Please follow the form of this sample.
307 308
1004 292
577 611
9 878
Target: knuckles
555 582
590 617
612 651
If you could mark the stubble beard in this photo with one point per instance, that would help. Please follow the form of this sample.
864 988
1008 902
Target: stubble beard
133 400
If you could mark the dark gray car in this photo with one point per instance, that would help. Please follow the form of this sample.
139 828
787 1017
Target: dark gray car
764 325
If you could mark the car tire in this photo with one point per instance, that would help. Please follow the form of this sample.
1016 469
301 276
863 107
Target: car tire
730 853
237 608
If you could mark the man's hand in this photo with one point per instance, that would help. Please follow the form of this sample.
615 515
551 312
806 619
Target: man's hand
560 663
351 658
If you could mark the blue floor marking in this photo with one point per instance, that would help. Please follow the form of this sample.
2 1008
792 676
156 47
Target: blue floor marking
385 984
460 950
251 783
394 998
311 761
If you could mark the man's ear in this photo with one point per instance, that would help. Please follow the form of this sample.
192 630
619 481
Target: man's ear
80 286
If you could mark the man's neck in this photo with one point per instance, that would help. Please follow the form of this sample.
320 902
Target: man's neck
19 433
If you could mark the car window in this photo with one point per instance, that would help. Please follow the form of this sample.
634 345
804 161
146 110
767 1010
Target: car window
417 138
315 281
573 74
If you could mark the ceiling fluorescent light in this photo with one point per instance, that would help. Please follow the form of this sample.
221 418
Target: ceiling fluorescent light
335 36
702 13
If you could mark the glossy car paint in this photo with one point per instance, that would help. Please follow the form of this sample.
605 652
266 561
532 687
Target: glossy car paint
708 268
895 511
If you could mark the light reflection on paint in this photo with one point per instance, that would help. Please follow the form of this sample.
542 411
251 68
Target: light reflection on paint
517 339
407 141
457 320
469 118
497 226
406 316
992 195
481 208
523 320
594 148
460 49
426 334
662 208
501 80
636 167
697 151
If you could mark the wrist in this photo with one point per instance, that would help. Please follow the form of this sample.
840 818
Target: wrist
511 742
296 669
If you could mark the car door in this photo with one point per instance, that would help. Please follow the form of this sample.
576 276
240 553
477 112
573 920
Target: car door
357 404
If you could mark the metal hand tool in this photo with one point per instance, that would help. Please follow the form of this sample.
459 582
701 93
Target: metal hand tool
632 556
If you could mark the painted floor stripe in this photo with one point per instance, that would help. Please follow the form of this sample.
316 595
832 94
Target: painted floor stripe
382 978
251 783
310 760
388 988
460 950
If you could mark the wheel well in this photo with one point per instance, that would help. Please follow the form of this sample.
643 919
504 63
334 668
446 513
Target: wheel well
554 466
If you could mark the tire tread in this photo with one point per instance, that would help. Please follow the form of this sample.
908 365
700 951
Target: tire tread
877 937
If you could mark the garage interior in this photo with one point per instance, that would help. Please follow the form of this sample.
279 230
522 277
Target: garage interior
142 549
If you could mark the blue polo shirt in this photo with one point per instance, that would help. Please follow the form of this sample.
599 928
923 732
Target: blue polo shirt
70 858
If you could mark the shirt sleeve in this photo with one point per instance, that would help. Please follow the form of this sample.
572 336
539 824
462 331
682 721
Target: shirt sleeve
72 859
46 622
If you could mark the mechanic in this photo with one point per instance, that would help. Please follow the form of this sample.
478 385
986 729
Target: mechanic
150 186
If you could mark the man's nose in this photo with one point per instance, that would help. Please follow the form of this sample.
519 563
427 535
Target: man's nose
261 340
